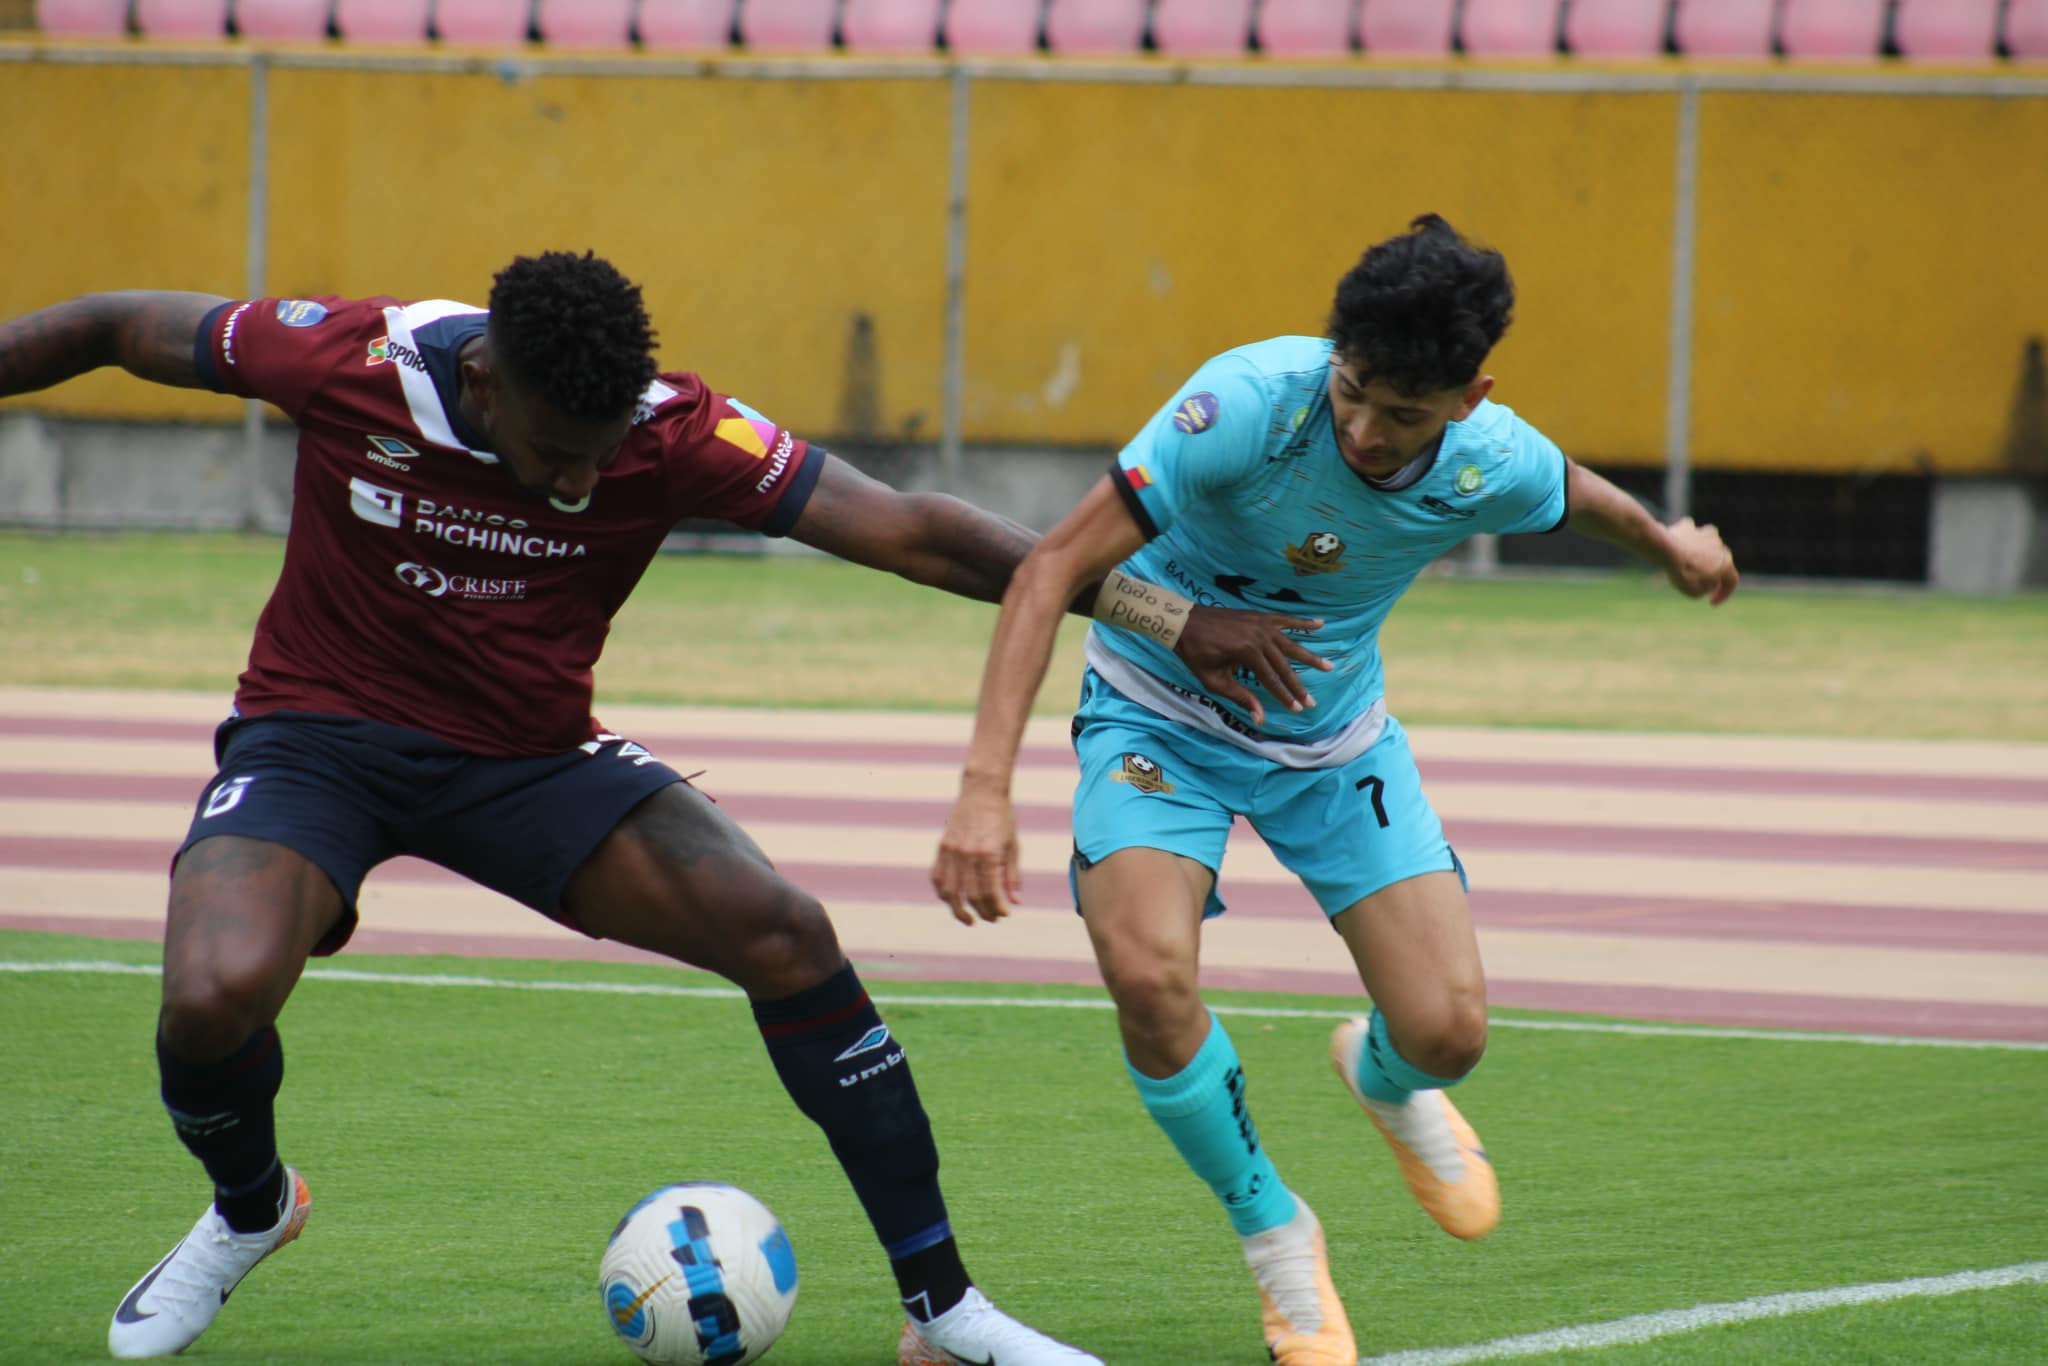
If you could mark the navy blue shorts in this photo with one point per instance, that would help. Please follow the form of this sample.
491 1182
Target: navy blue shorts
349 794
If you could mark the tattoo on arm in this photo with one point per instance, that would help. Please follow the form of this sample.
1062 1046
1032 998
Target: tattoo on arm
147 333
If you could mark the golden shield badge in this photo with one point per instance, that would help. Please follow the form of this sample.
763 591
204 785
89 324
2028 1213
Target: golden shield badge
1142 774
1317 554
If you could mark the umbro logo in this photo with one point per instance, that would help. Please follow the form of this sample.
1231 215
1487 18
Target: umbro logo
867 1043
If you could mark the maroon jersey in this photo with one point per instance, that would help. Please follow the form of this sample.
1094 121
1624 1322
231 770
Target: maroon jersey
421 586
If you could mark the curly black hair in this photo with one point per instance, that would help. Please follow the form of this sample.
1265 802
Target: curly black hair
572 330
1421 310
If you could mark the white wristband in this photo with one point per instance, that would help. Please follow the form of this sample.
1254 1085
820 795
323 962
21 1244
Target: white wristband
1133 605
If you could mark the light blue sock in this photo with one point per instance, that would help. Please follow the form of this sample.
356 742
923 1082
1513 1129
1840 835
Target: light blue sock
1202 1109
1385 1075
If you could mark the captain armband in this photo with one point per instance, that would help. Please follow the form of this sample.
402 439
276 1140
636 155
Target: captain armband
1133 605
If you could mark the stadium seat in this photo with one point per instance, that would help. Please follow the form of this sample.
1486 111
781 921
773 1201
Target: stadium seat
1832 29
787 25
182 18
382 21
993 28
1202 28
493 23
1724 28
1094 28
1946 30
1615 28
1306 28
586 23
83 18
685 25
1509 28
2026 29
890 25
1406 28
287 20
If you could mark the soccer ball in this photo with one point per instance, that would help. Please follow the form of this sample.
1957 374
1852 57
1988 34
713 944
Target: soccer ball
698 1274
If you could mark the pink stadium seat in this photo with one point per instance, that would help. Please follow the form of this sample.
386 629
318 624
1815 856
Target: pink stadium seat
1725 28
1510 28
83 18
685 25
1095 28
1947 30
492 23
786 25
1406 28
287 20
890 25
182 18
1306 28
382 21
1615 28
1202 28
2026 29
586 23
1832 29
993 27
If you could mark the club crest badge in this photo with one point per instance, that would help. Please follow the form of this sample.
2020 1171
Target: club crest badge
1143 774
1317 554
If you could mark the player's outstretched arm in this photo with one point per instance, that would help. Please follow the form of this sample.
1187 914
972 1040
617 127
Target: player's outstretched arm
943 542
146 332
1695 559
975 872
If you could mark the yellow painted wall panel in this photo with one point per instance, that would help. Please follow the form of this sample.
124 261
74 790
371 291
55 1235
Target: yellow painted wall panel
1869 271
1120 235
122 177
761 217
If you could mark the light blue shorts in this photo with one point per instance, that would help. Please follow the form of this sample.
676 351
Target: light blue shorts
1147 782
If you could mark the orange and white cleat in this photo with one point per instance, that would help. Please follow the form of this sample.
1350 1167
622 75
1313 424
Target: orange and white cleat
1305 1321
1447 1170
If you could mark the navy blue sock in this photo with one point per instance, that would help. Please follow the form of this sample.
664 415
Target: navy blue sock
845 1071
225 1115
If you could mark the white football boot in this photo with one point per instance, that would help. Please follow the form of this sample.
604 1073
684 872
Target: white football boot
1305 1321
976 1333
170 1307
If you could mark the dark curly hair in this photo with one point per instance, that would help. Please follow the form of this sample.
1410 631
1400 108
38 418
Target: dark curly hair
571 330
1421 310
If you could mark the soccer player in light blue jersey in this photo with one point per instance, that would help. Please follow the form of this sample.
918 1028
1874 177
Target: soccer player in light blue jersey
1316 478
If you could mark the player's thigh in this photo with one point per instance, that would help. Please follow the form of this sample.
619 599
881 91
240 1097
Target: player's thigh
1143 908
679 877
1419 960
245 914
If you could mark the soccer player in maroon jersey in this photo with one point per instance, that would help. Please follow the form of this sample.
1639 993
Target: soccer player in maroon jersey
476 493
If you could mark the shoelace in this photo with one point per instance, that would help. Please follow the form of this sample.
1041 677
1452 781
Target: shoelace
1289 1278
1421 1125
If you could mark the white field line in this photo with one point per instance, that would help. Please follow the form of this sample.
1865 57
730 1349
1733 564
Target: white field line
1671 1322
413 979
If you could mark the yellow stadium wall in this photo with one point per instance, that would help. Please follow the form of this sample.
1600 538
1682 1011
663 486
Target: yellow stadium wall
1863 292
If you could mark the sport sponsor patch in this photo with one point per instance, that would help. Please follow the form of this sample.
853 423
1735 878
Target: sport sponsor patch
751 434
300 312
1196 413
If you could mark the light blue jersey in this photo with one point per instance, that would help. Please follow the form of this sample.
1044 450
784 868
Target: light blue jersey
1239 483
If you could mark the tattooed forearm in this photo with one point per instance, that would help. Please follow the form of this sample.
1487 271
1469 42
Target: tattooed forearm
147 333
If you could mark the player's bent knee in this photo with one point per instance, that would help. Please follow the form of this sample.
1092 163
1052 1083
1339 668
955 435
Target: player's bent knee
787 944
208 1014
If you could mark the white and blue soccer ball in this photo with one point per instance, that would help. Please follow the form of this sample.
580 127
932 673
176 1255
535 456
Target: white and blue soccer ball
698 1274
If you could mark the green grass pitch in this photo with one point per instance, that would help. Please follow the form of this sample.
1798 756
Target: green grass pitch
469 1150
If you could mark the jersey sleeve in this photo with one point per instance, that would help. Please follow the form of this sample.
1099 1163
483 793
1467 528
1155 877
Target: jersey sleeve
279 350
1534 498
1208 436
729 461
